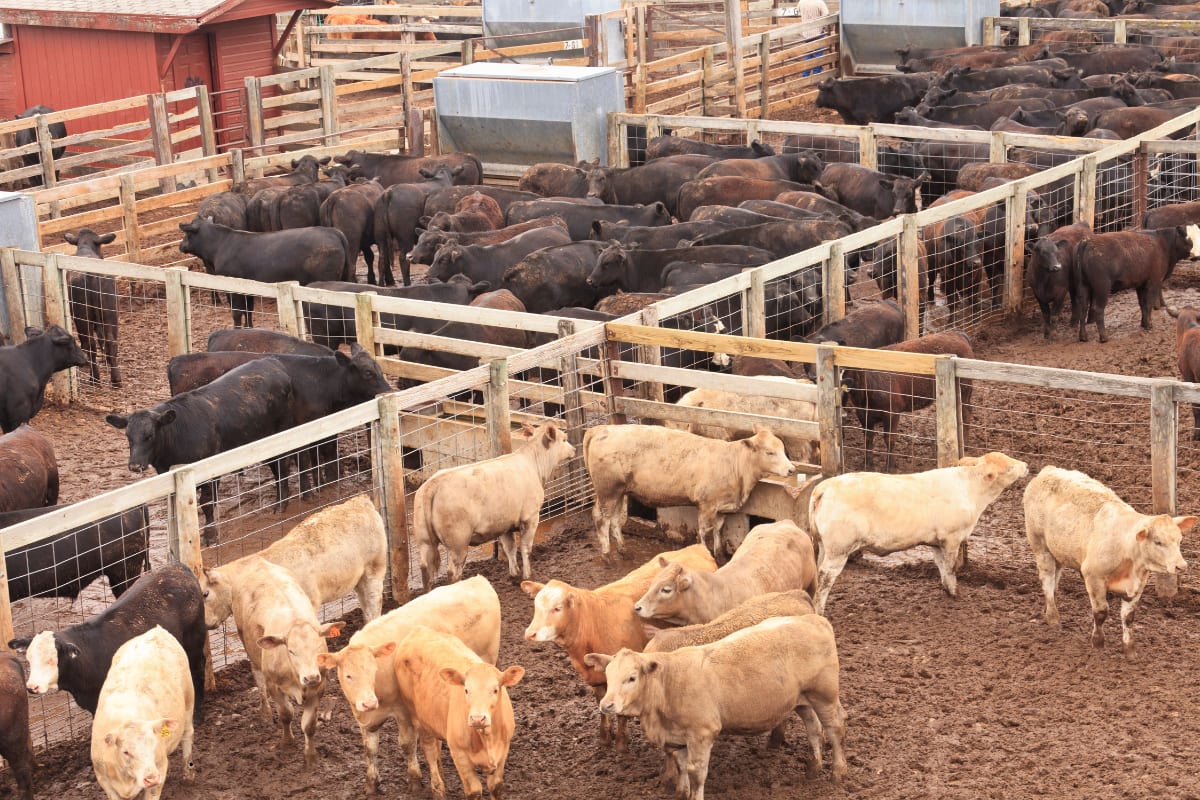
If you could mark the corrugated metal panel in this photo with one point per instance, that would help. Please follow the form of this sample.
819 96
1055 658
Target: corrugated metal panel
119 64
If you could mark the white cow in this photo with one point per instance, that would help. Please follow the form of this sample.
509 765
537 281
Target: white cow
144 713
886 513
1075 521
808 450
337 550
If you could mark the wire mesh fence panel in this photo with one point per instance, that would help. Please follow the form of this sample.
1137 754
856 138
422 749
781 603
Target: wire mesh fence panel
1171 178
248 518
71 578
943 160
793 304
831 149
214 311
890 425
1114 195
121 324
958 249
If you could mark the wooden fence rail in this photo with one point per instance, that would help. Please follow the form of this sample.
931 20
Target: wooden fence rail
1116 30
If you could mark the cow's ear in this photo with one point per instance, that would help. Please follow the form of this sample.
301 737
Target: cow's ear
597 661
331 629
662 562
424 222
111 739
660 207
512 676
384 650
759 430
166 417
457 170
684 581
531 588
324 160
548 436
425 172
341 358
117 421
67 649
327 661
18 644
1142 533
650 665
295 163
71 238
1185 524
452 676
107 238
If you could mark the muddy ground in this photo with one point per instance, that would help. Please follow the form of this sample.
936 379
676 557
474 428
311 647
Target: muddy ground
967 698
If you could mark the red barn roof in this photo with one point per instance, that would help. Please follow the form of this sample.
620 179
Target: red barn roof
152 16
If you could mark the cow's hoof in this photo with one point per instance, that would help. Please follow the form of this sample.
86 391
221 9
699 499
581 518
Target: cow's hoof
1098 641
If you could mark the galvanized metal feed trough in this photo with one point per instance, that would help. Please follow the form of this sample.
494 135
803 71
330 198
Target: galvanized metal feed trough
873 30
526 113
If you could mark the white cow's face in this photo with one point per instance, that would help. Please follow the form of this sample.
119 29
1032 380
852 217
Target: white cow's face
218 598
551 608
300 645
1159 540
139 750
43 664
626 674
357 667
484 688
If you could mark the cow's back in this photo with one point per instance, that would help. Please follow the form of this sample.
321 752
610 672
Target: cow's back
792 603
469 609
1061 507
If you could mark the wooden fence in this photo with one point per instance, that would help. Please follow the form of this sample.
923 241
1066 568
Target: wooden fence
1115 30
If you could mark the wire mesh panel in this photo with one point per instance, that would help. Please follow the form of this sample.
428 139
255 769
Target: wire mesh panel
956 249
71 578
213 311
1171 178
1114 195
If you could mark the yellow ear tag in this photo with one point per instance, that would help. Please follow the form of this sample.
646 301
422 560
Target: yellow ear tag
165 732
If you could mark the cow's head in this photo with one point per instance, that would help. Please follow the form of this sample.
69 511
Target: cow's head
64 350
1075 122
600 184
625 673
553 610
446 262
48 657
485 689
218 597
442 174
357 669
761 149
906 193
142 429
362 377
87 242
664 599
138 750
300 644
1158 539
1044 258
767 455
808 168
551 447
611 264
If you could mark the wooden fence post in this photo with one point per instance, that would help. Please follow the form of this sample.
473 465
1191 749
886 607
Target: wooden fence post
909 276
1085 192
46 151
835 284
393 502
255 125
160 137
468 51
237 167
499 414
1023 34
596 52
7 634
179 312
364 321
1164 433
764 76
285 307
328 88
618 141
614 386
183 543
406 87
733 42
208 130
868 150
1141 178
829 410
754 306
949 441
414 130
1120 31
990 31
133 235
1014 268
568 368
650 354
56 314
14 301
997 148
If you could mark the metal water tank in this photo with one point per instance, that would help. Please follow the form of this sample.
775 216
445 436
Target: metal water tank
873 30
526 113
18 228
532 17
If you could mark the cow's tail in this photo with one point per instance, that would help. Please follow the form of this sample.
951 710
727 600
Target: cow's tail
423 534
383 234
349 258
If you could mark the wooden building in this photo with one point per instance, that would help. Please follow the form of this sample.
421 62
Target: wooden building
71 53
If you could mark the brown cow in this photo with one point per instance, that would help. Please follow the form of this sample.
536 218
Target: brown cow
28 470
474 213
1187 348
601 621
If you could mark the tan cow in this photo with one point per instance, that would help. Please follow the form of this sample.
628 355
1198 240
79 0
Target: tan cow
143 714
808 450
1072 520
465 506
456 697
748 682
772 558
470 610
886 513
601 620
339 549
283 638
662 467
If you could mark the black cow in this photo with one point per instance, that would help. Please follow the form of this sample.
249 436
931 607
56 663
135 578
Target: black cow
15 744
802 167
885 270
580 216
488 262
260 341
430 241
1052 273
1113 59
984 115
389 169
654 237
397 213
682 275
331 325
472 332
116 547
1141 260
306 169
28 470
225 208
730 190
25 369
262 210
76 659
27 136
663 146
861 101
351 210
302 254
252 401
321 385
93 302
783 237
1051 75
654 182
556 277
551 179
872 193
955 258
633 270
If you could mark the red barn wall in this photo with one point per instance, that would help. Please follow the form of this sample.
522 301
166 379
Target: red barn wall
68 68
240 50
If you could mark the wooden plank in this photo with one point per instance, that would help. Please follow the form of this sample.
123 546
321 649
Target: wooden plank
442 344
14 306
735 420
829 411
1056 378
788 390
179 328
499 421
949 443
393 504
710 342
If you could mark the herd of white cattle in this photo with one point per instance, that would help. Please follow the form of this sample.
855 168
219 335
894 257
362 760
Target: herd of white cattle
756 621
